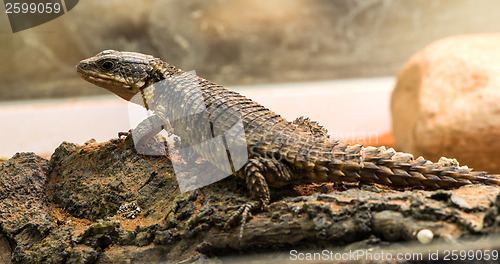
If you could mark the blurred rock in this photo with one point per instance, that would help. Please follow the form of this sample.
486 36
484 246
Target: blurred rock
446 102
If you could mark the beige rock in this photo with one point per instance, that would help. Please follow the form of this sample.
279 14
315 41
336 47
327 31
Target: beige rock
447 102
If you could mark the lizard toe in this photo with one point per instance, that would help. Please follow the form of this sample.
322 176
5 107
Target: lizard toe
243 214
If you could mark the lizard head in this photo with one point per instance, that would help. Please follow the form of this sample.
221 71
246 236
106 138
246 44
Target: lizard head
123 73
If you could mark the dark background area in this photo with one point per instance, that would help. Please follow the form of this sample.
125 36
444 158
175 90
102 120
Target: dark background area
239 42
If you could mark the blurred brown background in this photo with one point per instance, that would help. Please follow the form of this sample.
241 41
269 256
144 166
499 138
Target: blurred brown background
234 42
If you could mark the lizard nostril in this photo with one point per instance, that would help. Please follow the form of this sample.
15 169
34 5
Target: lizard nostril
82 66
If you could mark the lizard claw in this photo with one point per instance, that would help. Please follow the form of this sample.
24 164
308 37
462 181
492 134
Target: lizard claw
243 213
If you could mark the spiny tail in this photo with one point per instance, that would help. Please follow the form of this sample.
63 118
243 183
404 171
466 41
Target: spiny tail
388 167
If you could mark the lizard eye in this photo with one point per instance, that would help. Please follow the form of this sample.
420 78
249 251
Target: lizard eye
107 65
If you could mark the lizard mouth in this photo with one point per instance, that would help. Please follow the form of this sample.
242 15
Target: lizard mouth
101 81
84 70
119 88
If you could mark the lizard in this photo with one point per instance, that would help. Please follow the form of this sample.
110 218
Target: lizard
280 152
